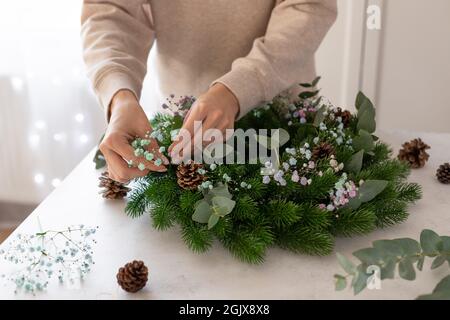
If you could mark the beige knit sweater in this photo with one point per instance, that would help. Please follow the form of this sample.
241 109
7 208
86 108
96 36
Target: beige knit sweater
257 48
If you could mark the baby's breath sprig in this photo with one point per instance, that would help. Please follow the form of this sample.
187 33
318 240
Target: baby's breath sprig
63 254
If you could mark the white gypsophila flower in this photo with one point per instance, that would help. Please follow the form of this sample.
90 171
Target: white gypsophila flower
44 256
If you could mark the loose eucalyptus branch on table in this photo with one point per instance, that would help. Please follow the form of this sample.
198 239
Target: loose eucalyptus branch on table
66 254
381 260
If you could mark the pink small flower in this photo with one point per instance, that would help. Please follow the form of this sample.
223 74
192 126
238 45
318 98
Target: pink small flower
303 181
352 193
295 177
322 206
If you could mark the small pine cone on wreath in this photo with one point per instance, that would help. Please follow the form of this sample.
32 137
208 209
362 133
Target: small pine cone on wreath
345 115
443 173
323 150
188 175
413 152
133 276
112 189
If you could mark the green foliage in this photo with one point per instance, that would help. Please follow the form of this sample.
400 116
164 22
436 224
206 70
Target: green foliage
354 222
162 214
249 215
441 292
137 201
197 237
282 213
301 239
404 254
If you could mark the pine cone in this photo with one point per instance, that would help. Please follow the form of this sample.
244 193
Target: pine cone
112 189
188 176
414 153
443 173
133 276
323 150
345 115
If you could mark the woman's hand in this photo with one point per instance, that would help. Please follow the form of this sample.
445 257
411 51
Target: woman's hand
127 122
216 109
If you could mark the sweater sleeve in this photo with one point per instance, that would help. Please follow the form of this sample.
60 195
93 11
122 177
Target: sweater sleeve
295 30
116 36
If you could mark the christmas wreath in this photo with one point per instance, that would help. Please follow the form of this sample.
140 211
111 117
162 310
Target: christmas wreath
334 178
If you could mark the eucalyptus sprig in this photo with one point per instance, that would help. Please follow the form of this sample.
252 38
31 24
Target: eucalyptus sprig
403 254
216 204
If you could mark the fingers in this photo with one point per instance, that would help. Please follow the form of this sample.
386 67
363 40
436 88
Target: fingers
118 168
117 152
195 114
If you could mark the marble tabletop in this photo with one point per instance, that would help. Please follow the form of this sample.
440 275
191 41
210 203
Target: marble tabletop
178 273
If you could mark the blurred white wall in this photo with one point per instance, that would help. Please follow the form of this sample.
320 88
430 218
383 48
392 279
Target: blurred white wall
49 118
404 67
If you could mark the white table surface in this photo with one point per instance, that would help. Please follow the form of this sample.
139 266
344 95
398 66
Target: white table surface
178 273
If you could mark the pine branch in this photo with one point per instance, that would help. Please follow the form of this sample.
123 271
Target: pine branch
349 222
246 208
162 214
188 199
137 201
313 217
248 245
283 213
389 212
301 239
197 237
408 192
386 170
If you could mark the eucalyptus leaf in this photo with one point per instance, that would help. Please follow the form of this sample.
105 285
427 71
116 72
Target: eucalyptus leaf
360 280
355 163
420 262
406 270
443 285
387 270
360 98
446 247
430 242
212 221
370 189
442 295
340 282
389 247
438 261
369 255
366 120
319 117
346 264
440 292
363 141
409 246
220 190
354 203
308 94
222 205
202 212
363 102
316 81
